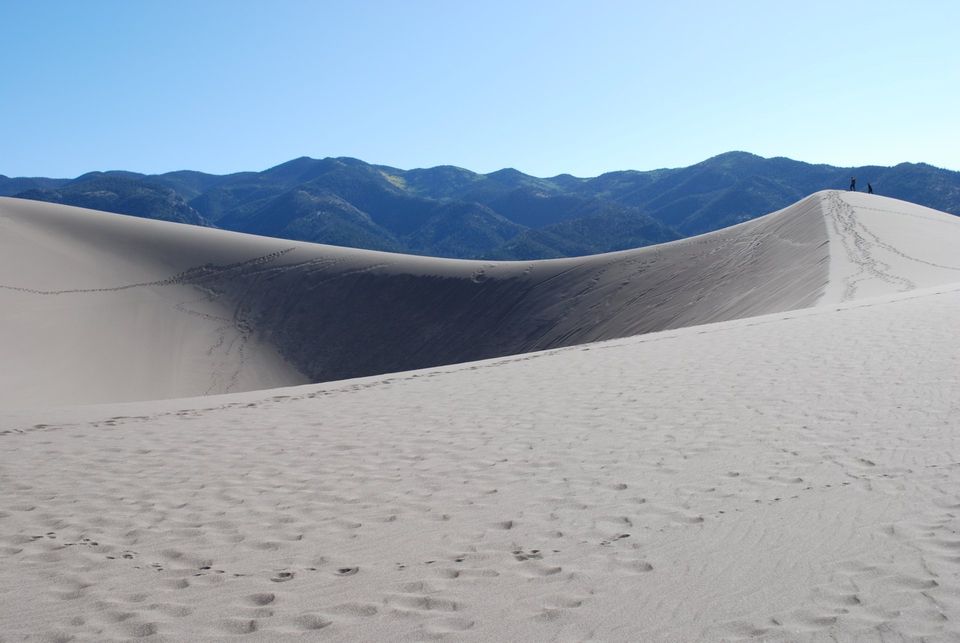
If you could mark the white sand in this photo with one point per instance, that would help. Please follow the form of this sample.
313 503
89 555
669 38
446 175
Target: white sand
880 245
95 309
114 308
788 476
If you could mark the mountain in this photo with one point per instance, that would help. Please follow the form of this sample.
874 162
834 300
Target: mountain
738 186
123 193
606 229
12 186
453 212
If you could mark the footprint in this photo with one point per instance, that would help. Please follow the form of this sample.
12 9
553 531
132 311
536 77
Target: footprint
348 524
450 625
310 622
267 545
140 630
117 616
424 603
533 568
563 602
353 609
346 571
418 587
173 609
261 599
638 566
238 625
177 583
282 577
815 620
479 573
548 615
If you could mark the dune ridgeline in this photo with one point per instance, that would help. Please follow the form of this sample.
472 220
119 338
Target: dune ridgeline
106 308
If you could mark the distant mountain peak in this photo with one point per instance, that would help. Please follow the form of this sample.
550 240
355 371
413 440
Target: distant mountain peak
507 172
454 212
732 157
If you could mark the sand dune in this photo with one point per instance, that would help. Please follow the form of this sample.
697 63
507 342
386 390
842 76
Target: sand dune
104 307
785 475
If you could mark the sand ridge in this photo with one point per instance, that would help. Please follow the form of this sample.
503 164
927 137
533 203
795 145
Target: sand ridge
103 307
708 483
167 310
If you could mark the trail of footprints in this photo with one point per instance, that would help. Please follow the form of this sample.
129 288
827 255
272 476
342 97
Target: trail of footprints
431 601
435 594
860 244
178 571
435 602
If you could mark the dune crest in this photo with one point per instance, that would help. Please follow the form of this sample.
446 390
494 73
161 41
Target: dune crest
113 308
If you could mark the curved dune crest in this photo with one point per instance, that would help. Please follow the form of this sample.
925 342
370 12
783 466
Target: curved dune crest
103 307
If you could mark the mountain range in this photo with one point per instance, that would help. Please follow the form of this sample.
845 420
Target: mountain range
506 215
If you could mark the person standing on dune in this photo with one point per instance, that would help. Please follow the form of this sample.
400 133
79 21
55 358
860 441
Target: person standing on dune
853 184
869 189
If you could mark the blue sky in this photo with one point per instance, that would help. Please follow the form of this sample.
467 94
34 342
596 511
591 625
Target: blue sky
545 87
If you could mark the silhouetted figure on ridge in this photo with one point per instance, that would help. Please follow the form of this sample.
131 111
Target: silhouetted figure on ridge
853 185
869 189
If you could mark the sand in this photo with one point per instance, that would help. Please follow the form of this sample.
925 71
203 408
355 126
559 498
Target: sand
133 309
789 475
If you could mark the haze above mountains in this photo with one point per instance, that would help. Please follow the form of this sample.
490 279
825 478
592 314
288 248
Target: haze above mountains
505 215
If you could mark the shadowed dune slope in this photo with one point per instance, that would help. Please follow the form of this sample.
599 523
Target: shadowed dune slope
101 307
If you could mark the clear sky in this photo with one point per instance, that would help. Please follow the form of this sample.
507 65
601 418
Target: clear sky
546 87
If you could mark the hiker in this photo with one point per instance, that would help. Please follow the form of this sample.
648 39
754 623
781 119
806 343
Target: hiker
869 189
853 184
